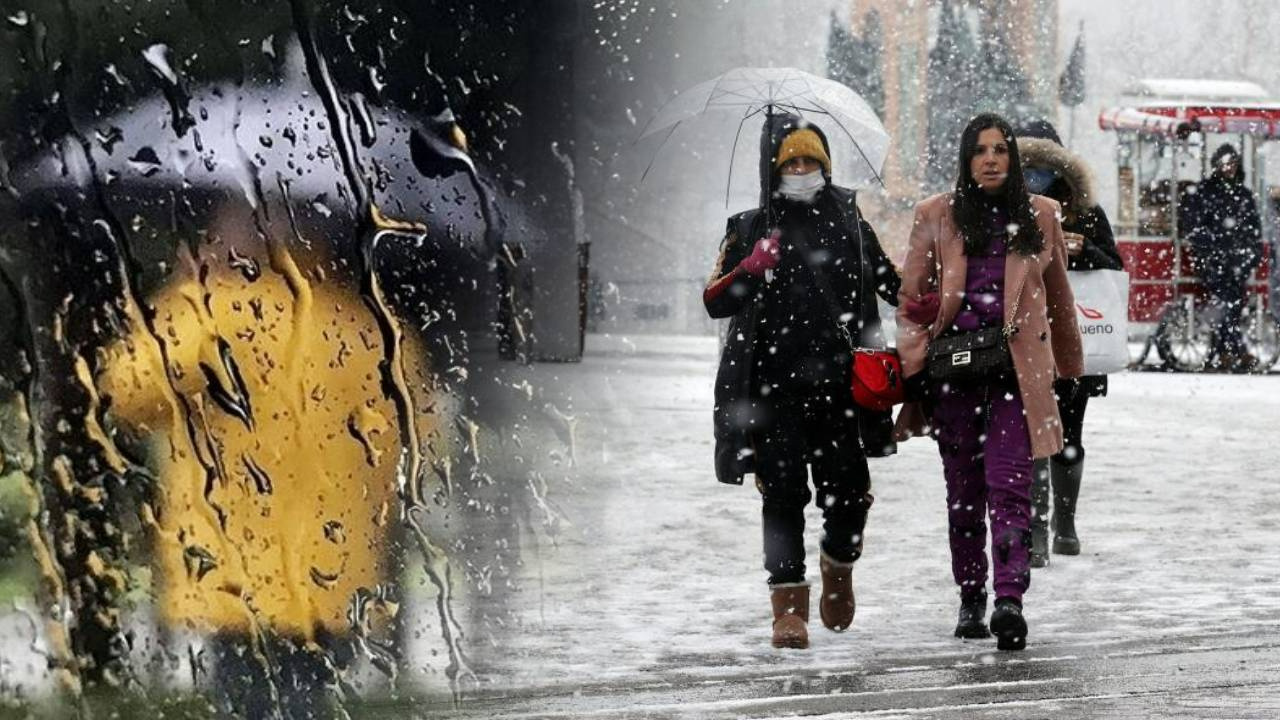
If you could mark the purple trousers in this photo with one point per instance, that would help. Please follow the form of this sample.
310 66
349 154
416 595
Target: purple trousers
986 459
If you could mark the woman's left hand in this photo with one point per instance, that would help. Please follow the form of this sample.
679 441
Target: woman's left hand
924 310
1066 388
1075 242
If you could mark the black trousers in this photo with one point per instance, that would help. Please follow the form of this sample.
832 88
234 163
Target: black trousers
1228 288
1072 411
799 434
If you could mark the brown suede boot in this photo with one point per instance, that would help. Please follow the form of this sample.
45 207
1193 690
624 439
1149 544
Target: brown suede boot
837 604
790 615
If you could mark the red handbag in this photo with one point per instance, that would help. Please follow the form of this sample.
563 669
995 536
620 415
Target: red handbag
877 383
877 379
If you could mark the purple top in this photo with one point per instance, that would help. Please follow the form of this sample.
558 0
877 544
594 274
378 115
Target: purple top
983 305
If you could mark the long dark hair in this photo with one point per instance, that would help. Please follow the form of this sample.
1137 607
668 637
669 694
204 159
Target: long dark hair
969 208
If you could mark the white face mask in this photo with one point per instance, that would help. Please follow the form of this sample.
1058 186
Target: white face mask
802 188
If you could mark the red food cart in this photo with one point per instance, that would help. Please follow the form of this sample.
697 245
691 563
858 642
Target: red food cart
1166 136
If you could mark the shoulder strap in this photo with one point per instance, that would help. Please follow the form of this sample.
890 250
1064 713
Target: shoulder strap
1010 327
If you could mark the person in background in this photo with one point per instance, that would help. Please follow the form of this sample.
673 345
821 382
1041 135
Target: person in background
782 397
1055 172
1225 231
989 254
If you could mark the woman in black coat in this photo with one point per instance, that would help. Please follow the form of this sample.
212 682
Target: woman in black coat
789 271
1225 231
1054 171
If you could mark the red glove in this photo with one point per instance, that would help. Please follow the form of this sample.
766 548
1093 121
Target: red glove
923 311
764 256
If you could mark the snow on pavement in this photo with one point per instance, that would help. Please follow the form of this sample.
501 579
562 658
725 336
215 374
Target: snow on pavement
649 578
658 572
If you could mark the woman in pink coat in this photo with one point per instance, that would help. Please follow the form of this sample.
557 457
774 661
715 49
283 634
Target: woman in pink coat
989 254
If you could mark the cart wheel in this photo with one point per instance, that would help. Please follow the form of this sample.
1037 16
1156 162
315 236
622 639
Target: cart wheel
1182 337
1261 333
1135 363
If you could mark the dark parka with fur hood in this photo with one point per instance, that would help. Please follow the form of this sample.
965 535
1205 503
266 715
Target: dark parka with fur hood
1222 222
734 294
1081 214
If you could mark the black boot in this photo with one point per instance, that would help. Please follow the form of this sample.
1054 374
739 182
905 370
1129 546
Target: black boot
972 623
1040 514
1008 625
1066 491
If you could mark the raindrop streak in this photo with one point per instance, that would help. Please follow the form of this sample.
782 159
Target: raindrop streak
363 424
323 580
93 428
145 161
247 266
334 532
283 263
360 617
261 479
360 111
226 386
199 561
108 138
157 58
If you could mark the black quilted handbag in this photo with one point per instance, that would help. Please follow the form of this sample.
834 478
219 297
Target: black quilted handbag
968 357
974 356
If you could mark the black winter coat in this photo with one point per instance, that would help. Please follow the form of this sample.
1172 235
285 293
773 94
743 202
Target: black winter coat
1074 189
740 297
1099 251
1225 231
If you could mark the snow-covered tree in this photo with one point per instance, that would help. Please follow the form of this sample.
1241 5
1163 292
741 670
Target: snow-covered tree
950 93
1071 84
855 61
1001 83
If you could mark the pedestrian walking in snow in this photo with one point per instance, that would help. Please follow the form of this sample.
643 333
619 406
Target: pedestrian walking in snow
782 395
1225 231
1055 172
986 323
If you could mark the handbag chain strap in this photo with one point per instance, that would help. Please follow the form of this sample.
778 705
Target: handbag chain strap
1009 328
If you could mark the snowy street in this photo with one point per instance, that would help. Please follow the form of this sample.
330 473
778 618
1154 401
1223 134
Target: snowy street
652 602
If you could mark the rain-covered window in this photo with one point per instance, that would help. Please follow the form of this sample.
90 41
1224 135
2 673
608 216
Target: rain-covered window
270 426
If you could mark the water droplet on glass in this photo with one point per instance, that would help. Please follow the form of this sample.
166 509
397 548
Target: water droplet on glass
145 161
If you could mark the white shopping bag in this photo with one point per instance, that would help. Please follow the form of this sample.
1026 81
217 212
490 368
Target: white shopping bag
1102 310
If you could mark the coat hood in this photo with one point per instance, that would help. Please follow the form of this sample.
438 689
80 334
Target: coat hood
1224 150
1071 168
776 128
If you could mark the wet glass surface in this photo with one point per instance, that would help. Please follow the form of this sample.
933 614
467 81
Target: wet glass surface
266 415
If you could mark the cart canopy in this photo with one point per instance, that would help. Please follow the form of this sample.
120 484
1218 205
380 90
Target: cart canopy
1177 108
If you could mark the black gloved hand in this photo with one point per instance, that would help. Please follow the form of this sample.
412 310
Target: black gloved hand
918 387
1066 389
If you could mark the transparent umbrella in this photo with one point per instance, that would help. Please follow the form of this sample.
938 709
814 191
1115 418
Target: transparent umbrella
752 94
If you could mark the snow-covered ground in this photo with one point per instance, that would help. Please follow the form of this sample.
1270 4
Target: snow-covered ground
645 596
658 575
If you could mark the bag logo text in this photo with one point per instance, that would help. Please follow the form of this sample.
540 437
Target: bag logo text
1089 312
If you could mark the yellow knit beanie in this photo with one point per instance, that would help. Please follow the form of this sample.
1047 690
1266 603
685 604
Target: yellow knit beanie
802 143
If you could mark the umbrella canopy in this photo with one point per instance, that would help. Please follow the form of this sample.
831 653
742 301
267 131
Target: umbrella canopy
752 93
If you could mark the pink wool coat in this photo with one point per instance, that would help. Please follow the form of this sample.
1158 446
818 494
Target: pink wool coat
1047 342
